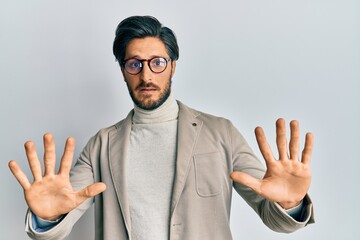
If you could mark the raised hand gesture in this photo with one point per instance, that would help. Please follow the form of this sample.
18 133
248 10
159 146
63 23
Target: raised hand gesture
286 180
51 195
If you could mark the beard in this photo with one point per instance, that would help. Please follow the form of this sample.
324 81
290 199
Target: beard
146 103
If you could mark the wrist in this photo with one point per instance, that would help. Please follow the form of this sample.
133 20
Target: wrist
289 205
42 225
51 218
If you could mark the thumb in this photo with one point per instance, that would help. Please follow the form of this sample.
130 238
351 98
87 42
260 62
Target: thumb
90 191
247 180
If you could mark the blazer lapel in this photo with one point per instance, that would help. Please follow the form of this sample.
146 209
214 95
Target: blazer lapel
188 131
118 146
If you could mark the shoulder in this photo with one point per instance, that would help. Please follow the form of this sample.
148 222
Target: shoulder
117 126
103 134
206 118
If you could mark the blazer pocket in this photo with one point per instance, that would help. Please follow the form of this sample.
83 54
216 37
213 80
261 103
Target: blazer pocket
208 174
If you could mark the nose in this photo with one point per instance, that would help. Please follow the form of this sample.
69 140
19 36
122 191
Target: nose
146 74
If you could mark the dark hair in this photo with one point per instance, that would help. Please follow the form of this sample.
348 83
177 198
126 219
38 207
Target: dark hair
141 27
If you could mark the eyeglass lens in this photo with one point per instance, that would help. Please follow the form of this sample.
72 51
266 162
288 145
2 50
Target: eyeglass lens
134 66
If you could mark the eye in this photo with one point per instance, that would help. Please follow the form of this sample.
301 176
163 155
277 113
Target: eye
158 62
133 63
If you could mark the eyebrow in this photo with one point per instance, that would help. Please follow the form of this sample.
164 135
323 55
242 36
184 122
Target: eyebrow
139 58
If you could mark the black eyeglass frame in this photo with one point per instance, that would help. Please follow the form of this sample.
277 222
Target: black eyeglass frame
167 60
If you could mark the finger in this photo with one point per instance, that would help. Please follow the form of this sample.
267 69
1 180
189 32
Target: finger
308 149
49 154
67 158
263 145
33 160
281 139
247 180
90 191
19 175
294 144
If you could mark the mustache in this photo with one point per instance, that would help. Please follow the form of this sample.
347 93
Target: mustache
147 85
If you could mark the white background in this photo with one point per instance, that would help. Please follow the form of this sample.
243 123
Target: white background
249 61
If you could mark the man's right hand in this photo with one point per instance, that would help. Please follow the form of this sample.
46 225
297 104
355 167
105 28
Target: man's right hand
51 195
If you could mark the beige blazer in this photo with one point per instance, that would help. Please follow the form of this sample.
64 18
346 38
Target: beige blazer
209 149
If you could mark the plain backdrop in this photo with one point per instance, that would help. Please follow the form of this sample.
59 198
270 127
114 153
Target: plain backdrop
251 61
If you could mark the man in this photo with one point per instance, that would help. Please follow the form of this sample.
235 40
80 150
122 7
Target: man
168 169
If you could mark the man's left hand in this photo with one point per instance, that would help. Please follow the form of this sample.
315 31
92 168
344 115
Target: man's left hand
286 180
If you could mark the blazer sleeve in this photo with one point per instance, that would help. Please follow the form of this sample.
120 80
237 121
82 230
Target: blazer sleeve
272 214
81 176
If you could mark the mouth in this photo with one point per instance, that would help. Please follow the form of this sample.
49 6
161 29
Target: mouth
147 89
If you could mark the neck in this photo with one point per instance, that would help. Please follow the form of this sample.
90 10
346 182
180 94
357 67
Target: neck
168 111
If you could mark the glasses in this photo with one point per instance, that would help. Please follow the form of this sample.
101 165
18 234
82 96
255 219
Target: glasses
156 64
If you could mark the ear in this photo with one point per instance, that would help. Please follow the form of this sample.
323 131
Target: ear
123 73
173 67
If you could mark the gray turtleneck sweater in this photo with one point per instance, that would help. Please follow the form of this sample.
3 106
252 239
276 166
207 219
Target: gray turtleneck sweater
150 170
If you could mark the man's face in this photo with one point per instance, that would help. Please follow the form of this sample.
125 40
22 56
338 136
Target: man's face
147 89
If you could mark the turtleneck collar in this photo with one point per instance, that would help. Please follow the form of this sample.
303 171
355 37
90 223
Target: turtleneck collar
168 111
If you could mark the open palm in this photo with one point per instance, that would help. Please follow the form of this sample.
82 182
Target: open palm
286 180
51 195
